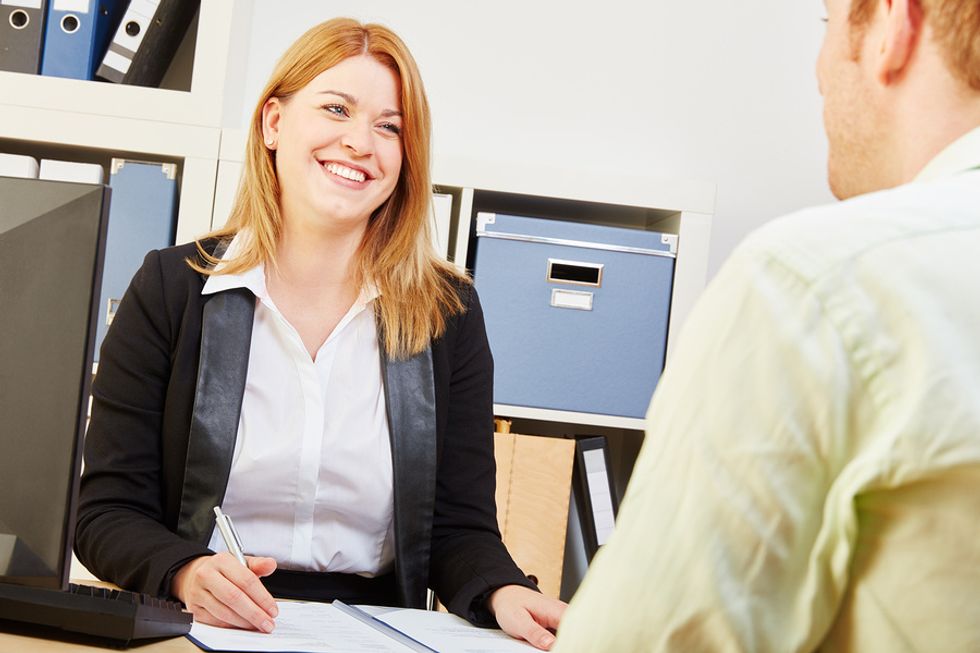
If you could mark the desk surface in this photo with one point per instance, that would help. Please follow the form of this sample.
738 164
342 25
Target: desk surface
24 643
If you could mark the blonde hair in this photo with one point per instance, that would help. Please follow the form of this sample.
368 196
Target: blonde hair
955 26
419 290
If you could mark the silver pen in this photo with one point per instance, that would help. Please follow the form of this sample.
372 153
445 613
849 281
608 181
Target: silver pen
230 535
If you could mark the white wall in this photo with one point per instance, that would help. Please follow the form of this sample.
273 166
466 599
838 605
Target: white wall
678 89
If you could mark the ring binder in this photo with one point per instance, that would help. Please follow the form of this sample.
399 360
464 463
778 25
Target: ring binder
595 495
77 34
21 35
146 40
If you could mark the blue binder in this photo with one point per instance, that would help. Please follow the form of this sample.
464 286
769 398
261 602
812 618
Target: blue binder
77 33
142 216
576 313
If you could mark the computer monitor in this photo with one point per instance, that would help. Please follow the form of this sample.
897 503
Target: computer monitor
52 239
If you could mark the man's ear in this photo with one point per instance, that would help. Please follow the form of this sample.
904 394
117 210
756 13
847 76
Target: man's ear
903 29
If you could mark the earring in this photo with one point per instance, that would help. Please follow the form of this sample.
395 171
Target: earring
270 142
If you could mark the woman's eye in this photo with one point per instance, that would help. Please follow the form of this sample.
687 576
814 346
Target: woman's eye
391 128
336 109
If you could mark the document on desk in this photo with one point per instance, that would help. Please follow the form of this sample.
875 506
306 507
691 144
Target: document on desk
327 628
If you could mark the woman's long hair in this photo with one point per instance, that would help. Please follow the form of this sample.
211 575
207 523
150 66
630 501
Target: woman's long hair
419 290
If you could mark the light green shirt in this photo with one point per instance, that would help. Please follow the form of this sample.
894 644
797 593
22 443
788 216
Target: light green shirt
810 478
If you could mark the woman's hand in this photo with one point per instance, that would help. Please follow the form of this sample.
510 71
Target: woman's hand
219 591
526 614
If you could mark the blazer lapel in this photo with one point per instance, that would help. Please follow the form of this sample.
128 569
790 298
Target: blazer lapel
410 397
226 336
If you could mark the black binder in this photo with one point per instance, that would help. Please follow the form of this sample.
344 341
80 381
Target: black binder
595 495
22 35
146 41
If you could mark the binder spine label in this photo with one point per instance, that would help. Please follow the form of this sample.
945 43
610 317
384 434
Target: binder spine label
141 13
127 39
27 4
117 61
77 6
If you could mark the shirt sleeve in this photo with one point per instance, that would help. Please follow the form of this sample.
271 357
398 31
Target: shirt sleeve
724 541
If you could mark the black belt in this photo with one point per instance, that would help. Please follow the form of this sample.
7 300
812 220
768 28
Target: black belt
329 586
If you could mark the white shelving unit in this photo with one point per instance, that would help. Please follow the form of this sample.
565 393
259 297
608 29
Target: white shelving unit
202 105
93 121
678 207
682 207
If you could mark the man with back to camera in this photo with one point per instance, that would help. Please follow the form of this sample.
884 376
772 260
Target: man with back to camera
810 478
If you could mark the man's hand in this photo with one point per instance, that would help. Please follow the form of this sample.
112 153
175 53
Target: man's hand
526 614
219 591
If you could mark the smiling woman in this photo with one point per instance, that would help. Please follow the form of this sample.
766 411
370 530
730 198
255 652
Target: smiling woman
315 370
340 77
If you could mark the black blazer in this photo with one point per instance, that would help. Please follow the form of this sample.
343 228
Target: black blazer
166 405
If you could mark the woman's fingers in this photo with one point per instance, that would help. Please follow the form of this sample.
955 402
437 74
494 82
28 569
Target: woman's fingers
222 611
526 614
523 626
203 616
228 592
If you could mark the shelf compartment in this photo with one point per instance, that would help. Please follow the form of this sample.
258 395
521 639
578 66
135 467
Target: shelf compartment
201 105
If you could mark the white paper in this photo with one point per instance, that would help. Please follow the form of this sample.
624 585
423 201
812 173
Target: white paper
322 628
447 632
306 627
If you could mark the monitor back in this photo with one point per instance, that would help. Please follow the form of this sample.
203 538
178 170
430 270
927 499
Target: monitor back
52 237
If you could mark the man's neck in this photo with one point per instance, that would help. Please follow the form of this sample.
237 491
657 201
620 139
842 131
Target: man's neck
933 111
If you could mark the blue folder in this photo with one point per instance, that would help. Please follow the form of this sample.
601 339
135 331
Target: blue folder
77 34
142 216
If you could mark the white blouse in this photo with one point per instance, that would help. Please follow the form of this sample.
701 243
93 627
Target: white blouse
311 478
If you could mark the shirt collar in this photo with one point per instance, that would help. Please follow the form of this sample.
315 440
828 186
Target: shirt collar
960 155
368 294
254 278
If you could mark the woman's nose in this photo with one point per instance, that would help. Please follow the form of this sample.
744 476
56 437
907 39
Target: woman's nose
357 138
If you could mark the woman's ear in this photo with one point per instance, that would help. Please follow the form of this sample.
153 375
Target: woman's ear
271 113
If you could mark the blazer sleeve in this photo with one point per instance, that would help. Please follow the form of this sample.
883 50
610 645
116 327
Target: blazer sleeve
121 534
469 559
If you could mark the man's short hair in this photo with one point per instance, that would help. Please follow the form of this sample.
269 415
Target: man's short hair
956 28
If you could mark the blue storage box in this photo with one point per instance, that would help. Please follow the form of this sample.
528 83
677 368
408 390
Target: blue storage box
576 313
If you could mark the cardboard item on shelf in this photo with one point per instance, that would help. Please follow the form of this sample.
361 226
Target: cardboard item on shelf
18 165
83 173
534 476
